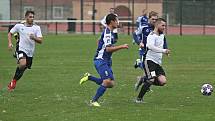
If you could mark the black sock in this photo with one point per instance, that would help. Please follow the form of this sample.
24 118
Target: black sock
143 79
18 74
143 90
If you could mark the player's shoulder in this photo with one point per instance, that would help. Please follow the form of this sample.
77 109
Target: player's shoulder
152 33
36 26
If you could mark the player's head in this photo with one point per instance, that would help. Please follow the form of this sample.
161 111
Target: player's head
111 10
160 24
29 17
144 12
111 20
153 16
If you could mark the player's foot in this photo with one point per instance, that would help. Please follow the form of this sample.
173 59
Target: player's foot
138 83
137 63
12 85
94 103
138 100
84 78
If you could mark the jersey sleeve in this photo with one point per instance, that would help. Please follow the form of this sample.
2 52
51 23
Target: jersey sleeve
14 29
38 32
151 44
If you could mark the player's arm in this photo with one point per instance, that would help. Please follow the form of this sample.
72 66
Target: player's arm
10 45
116 48
38 38
9 35
103 22
165 46
151 45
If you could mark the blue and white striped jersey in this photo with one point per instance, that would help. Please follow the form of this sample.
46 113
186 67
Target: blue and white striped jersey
107 39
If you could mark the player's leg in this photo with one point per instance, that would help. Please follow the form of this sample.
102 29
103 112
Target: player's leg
108 82
87 76
140 81
161 78
22 65
150 68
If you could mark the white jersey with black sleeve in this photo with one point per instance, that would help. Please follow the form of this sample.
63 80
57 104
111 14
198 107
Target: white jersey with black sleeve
155 46
26 44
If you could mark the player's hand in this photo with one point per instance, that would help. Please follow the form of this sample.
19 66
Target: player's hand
125 46
10 46
141 45
167 52
32 37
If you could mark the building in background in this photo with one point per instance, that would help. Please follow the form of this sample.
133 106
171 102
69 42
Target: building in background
4 9
63 9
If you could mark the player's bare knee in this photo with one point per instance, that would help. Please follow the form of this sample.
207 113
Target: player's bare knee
108 83
162 80
22 63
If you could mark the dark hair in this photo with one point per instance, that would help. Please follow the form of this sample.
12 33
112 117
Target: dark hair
160 19
153 13
110 17
28 12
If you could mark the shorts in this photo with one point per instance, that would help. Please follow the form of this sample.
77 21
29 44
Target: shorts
104 69
21 55
152 69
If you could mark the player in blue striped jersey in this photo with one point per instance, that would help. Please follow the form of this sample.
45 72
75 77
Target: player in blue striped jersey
103 60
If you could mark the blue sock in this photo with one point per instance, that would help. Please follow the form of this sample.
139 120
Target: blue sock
96 80
100 91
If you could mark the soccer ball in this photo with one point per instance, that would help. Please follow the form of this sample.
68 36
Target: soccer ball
206 89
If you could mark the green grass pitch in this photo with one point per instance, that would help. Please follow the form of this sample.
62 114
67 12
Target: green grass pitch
50 91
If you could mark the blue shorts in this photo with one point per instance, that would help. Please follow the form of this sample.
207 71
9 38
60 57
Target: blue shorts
104 69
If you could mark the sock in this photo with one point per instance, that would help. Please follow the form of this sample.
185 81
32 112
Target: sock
143 78
100 91
96 80
143 90
18 74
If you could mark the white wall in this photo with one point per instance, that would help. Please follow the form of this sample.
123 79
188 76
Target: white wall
4 9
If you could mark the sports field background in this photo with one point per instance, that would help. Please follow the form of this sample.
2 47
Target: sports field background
50 91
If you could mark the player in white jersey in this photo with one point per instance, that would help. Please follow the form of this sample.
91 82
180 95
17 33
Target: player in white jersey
29 35
155 50
103 22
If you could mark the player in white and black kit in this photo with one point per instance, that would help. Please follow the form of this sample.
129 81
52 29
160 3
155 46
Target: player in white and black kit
29 35
153 59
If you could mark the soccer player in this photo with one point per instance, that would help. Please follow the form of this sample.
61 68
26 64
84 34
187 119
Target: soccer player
144 31
142 20
29 34
153 16
103 60
155 50
103 22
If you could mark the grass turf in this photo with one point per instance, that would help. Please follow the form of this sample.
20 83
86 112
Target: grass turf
50 91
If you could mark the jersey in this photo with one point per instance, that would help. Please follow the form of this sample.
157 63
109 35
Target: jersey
141 21
106 40
26 44
155 47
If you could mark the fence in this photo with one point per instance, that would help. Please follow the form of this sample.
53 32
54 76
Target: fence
83 16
